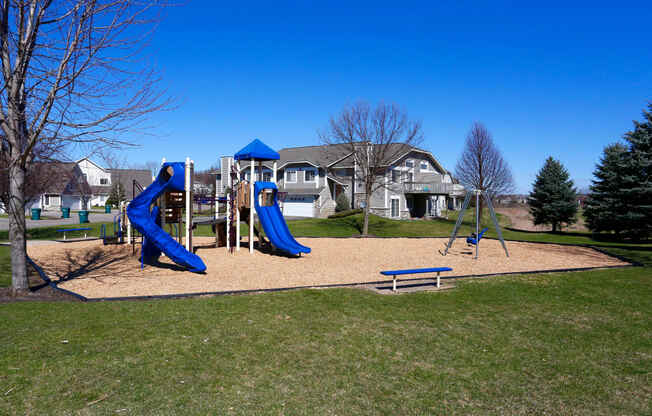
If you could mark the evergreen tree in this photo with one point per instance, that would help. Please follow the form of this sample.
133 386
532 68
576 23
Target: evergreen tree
606 207
638 178
342 203
116 195
621 195
553 199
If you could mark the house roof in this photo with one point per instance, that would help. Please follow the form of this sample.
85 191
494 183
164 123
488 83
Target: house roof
63 178
256 150
127 176
92 162
335 156
322 156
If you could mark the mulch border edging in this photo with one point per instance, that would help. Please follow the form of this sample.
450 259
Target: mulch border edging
52 284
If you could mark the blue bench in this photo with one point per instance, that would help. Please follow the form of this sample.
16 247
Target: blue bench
73 229
395 273
474 240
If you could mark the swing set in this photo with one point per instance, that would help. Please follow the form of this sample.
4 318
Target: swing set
475 238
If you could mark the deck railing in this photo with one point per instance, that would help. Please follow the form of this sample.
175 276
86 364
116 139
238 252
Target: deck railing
427 188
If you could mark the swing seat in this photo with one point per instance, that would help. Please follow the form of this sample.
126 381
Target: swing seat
474 240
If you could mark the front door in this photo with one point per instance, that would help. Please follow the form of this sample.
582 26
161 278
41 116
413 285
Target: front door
394 212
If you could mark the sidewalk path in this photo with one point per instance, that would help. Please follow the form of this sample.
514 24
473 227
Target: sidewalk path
73 220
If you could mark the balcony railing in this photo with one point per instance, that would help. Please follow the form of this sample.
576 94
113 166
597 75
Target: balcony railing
427 188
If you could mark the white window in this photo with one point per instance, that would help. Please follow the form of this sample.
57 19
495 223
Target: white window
310 175
291 176
396 175
52 200
267 176
394 213
425 165
409 164
104 181
409 177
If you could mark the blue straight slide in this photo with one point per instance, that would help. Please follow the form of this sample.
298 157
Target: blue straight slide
276 229
171 177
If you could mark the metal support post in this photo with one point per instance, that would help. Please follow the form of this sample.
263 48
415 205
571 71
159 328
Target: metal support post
477 223
188 188
252 175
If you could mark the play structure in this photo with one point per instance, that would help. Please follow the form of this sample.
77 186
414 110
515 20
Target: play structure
172 188
168 202
246 196
475 238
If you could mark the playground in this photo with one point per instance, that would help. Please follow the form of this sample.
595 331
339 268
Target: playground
145 253
93 270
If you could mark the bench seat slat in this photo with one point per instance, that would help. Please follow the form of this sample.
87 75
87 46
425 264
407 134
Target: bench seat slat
73 229
415 271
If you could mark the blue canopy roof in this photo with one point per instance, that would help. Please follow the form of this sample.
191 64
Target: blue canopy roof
256 150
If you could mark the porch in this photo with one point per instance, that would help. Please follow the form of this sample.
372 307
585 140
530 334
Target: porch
426 200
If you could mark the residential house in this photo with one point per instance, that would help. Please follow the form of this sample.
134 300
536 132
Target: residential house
102 179
82 184
311 178
63 185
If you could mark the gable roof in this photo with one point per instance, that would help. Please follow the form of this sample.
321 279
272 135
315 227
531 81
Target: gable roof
335 156
63 178
89 159
339 155
322 156
127 176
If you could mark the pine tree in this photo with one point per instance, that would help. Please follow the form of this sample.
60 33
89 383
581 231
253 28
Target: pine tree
116 195
638 178
606 207
553 199
621 195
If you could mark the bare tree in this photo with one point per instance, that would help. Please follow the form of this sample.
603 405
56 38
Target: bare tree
37 181
69 79
375 138
152 166
481 165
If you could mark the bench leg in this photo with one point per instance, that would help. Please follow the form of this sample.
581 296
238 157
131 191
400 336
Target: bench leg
64 235
437 280
85 234
394 289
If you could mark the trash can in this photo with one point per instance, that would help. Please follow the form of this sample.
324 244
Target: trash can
65 212
107 209
36 213
83 216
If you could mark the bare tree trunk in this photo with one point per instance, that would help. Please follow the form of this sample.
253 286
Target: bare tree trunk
19 281
365 222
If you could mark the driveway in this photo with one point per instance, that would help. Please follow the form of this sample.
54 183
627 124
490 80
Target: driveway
74 219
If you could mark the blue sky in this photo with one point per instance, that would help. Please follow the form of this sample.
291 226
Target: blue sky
559 80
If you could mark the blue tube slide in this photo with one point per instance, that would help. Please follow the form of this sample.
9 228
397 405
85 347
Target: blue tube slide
171 177
274 225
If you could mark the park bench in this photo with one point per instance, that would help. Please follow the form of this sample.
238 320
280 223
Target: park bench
395 273
65 230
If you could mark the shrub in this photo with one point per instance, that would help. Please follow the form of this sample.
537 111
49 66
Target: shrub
346 213
342 203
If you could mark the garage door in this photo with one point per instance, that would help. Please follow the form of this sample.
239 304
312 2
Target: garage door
298 206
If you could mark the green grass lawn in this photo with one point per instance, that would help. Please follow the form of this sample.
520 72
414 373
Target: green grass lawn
51 233
5 266
573 343
558 343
